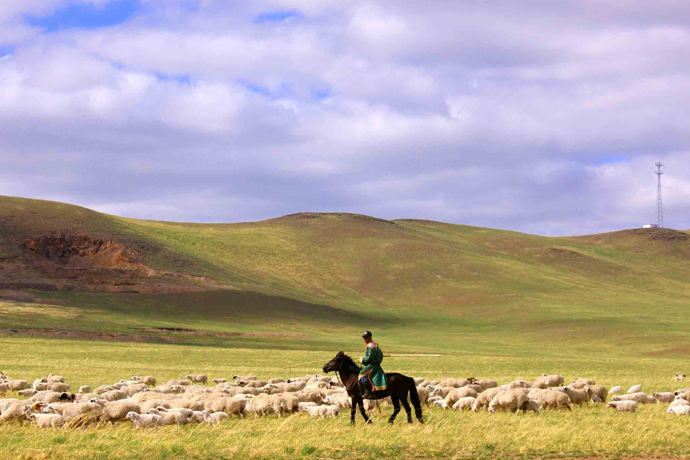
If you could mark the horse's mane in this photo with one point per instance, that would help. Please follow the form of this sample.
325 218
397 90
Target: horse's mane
350 361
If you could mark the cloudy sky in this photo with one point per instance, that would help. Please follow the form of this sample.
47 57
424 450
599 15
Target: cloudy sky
543 116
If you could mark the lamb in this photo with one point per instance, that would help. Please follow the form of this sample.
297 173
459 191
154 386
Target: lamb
679 410
116 411
623 406
531 405
144 420
84 389
634 389
680 377
214 418
324 411
197 378
304 406
615 390
484 398
664 397
47 420
343 400
464 403
600 391
509 400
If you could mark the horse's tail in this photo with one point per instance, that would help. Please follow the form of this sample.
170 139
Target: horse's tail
414 399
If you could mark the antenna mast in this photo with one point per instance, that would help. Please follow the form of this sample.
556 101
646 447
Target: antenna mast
659 205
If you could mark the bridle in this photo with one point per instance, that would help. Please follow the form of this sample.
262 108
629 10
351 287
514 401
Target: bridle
353 380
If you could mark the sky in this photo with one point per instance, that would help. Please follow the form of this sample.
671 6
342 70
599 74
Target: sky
541 116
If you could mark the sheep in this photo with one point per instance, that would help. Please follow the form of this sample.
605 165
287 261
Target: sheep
17 385
84 389
683 395
509 400
197 378
550 398
304 406
615 390
46 397
276 380
372 404
531 405
230 406
679 410
418 380
309 397
28 393
149 380
596 399
680 377
219 380
577 396
114 395
464 403
4 388
116 411
456 394
342 400
104 389
547 381
423 394
637 397
12 410
484 398
131 390
597 390
579 384
57 386
623 406
171 417
47 420
486 383
253 377
144 420
214 418
664 397
634 389
69 411
324 411
52 378
38 382
679 402
519 384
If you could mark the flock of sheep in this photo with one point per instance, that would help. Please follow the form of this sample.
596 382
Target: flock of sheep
50 404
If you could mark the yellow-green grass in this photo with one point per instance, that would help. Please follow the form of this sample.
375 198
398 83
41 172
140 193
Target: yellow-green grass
587 431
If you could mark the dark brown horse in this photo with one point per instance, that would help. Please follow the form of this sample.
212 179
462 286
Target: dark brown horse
399 387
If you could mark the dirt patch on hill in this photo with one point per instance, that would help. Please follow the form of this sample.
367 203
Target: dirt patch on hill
677 351
71 262
88 335
175 330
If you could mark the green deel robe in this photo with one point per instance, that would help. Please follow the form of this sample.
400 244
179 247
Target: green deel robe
372 361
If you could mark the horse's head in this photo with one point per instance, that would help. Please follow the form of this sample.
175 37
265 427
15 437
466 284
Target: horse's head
335 363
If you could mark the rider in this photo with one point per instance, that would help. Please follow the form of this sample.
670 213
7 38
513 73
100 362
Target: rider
371 377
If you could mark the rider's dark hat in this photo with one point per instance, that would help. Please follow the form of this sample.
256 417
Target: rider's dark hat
366 335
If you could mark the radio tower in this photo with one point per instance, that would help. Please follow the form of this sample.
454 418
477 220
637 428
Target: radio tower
659 205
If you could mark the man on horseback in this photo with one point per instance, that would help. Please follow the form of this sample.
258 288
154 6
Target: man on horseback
371 377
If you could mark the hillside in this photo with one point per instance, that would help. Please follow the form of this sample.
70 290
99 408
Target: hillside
319 278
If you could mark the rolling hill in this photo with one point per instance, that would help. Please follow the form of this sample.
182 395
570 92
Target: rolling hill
315 280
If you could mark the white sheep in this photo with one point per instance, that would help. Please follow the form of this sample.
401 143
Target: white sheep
84 389
484 398
116 411
577 396
679 402
171 417
623 406
324 411
148 380
214 418
679 410
219 380
508 400
550 398
666 397
47 420
144 420
52 378
680 377
615 390
634 389
464 403
304 406
197 378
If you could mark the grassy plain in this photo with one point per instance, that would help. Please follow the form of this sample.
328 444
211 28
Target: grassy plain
496 304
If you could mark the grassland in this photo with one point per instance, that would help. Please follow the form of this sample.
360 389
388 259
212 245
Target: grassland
495 303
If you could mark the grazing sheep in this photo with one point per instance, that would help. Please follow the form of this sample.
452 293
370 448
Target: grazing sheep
219 380
52 378
214 418
114 395
519 384
37 383
597 390
17 385
342 400
596 399
454 395
418 380
637 397
623 406
680 377
230 406
550 398
149 380
683 395
547 381
84 389
304 406
47 420
197 378
464 403
144 420
577 396
634 389
69 411
615 390
484 398
104 389
486 384
531 405
4 388
508 400
679 410
171 417
28 393
276 380
116 411
324 411
664 397
131 390
423 394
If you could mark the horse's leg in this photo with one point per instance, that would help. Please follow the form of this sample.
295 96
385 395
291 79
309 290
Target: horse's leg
396 408
362 411
408 409
353 410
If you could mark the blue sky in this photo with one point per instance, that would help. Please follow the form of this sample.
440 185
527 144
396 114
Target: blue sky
544 117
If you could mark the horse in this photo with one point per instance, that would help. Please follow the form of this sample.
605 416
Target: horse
399 387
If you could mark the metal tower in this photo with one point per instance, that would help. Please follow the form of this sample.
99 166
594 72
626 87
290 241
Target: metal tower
659 205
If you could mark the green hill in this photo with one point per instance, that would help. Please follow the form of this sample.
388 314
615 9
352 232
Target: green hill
315 280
